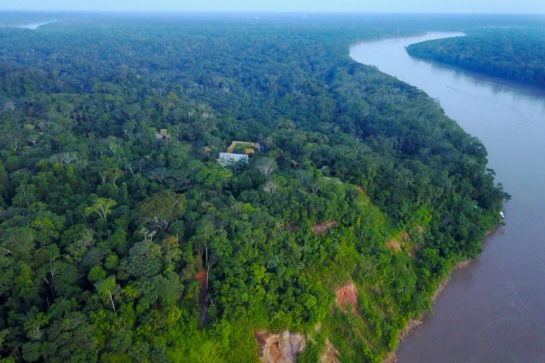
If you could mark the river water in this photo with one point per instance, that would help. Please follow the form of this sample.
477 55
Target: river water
494 309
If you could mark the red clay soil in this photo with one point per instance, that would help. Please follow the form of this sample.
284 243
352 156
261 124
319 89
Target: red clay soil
201 277
262 337
347 295
322 228
270 347
394 245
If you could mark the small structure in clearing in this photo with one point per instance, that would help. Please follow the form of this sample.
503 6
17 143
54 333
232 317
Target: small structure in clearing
230 158
162 135
249 147
244 149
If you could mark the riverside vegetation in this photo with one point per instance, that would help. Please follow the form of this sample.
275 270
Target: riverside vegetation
515 54
122 242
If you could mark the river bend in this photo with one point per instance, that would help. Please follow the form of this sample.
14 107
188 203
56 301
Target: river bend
494 309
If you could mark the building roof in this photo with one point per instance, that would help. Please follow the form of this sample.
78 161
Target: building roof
249 146
230 158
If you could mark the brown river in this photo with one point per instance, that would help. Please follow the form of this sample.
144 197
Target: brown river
494 309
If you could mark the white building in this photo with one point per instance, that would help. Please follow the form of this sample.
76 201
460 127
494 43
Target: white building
230 158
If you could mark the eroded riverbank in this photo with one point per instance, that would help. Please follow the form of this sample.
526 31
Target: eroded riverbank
492 309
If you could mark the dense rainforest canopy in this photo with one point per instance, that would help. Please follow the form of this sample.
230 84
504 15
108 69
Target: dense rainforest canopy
515 54
123 239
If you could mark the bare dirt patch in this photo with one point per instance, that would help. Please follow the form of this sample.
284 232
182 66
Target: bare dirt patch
280 348
322 228
397 243
347 295
394 245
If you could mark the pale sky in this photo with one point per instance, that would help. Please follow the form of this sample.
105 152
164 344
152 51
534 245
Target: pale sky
395 6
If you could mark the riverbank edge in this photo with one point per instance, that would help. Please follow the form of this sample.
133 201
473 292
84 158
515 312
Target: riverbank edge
414 324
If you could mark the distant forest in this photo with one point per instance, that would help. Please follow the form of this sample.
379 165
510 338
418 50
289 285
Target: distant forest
515 54
123 239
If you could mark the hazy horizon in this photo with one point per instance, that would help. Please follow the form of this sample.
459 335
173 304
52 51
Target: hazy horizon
309 6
